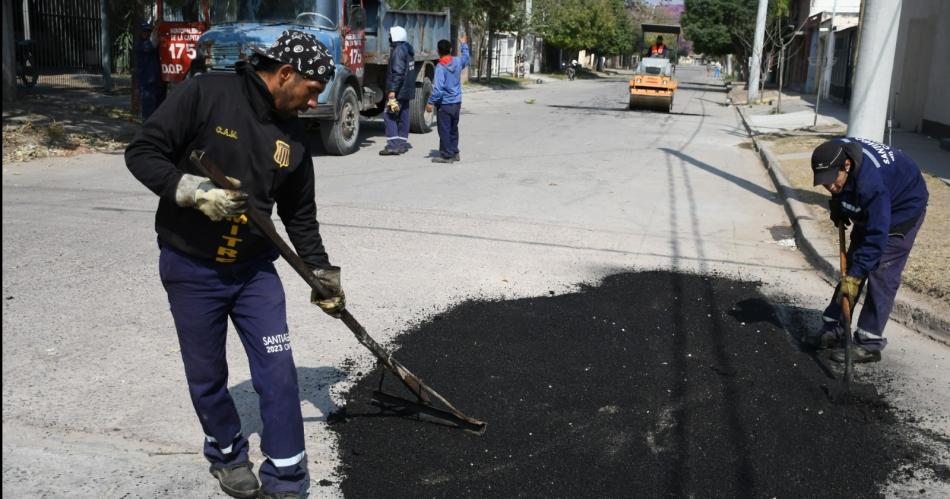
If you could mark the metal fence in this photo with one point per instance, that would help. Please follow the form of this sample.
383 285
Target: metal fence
66 42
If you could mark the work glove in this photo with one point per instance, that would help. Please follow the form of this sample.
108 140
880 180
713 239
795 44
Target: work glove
217 203
330 279
838 216
848 287
393 106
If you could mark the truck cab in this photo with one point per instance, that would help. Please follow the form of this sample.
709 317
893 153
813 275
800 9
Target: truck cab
357 34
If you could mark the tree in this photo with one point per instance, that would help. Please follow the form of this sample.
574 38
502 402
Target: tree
720 27
602 26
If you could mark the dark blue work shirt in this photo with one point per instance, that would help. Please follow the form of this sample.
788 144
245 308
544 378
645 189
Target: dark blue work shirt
886 195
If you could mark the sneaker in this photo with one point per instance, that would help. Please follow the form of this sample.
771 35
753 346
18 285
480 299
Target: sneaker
859 355
237 480
390 152
440 159
278 495
456 158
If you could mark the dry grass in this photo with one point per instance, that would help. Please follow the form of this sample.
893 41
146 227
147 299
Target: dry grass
27 141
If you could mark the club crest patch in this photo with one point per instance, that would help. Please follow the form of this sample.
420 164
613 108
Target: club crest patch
282 154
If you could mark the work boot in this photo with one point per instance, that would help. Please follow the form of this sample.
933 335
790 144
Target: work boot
237 480
830 336
279 495
859 355
390 152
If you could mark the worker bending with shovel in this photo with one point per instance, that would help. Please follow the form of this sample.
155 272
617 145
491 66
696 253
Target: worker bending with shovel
215 266
882 192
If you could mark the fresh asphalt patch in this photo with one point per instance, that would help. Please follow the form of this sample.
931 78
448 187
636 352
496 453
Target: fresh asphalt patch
648 384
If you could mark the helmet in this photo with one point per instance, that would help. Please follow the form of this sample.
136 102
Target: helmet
574 61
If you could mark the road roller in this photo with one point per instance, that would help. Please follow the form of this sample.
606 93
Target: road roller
652 86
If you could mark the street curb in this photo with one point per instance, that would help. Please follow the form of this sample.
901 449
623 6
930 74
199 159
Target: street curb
911 309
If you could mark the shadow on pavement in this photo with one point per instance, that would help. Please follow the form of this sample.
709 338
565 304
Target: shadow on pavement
315 383
741 182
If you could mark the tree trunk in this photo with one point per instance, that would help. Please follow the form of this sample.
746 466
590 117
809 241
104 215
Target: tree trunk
9 54
137 20
781 76
105 41
490 49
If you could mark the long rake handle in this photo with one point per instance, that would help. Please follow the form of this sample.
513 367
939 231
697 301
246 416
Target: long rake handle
264 223
846 311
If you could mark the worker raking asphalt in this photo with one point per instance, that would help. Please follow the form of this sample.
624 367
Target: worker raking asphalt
648 384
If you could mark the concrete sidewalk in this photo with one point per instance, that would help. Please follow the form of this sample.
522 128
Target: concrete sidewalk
927 315
798 114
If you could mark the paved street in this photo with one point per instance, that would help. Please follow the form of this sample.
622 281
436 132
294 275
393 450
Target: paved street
559 185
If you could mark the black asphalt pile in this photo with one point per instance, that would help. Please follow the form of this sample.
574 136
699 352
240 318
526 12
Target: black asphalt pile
650 384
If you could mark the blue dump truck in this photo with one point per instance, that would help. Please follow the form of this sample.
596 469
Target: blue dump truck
357 34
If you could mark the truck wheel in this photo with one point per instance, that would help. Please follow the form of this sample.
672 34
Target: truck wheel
340 137
420 121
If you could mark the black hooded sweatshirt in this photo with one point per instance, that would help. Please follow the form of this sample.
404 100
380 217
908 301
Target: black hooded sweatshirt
232 117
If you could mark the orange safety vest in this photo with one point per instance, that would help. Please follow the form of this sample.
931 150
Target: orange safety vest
657 49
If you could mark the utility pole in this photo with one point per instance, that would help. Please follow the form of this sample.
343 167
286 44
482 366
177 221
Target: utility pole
872 76
756 66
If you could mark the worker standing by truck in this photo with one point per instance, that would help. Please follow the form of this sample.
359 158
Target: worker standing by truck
148 70
400 89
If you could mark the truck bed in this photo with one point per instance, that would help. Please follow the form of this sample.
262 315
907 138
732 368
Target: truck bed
423 29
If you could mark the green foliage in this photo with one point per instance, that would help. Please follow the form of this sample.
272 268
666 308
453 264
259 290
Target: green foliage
504 15
712 24
602 26
719 27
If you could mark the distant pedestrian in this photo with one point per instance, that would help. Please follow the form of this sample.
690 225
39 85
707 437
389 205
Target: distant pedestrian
148 70
400 89
214 266
717 69
883 193
447 98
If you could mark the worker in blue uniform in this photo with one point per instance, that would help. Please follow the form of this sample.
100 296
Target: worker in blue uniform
882 192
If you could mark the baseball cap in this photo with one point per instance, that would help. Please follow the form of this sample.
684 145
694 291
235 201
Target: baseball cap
303 51
828 158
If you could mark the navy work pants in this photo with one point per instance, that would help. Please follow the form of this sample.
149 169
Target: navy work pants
881 284
397 127
202 296
448 116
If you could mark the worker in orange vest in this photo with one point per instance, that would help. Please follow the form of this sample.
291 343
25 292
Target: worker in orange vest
658 49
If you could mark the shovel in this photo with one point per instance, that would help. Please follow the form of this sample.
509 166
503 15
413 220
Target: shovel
851 392
423 392
845 314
